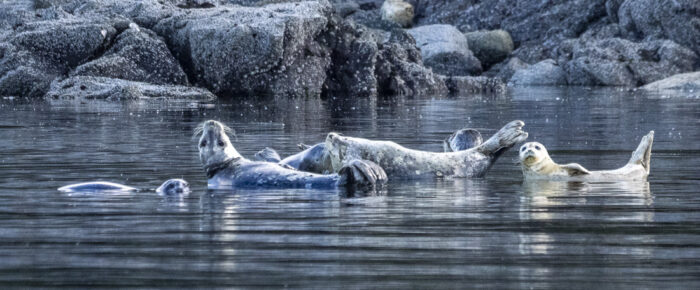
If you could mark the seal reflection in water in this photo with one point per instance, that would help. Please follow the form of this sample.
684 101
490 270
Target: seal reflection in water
401 162
536 164
227 169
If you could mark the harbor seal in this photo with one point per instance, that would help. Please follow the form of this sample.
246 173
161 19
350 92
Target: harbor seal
401 162
227 169
536 164
170 186
316 159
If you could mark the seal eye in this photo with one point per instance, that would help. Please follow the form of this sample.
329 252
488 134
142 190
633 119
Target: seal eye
537 147
220 143
204 143
522 149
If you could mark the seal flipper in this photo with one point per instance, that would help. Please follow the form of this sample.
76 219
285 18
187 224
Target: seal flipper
303 146
505 138
462 140
575 169
268 155
642 155
361 174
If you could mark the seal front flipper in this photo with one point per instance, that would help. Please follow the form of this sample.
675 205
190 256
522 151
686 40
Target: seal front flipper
303 146
361 174
462 140
268 154
575 169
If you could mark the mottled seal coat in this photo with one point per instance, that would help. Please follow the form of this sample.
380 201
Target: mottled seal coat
171 186
536 164
401 162
314 159
227 169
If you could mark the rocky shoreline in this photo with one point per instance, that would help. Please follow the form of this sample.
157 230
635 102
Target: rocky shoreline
200 49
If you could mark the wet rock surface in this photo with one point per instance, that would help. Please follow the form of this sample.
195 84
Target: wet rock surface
296 48
84 88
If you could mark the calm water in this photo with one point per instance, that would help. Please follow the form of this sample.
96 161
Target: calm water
495 232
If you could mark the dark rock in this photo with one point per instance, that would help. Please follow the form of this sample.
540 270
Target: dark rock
544 73
137 54
38 52
101 88
526 20
611 8
619 62
269 50
505 70
480 84
490 47
445 50
677 20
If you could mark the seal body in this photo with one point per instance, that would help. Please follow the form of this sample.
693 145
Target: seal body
314 159
96 186
536 164
401 162
227 169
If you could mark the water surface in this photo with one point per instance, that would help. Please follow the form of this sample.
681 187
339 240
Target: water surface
495 232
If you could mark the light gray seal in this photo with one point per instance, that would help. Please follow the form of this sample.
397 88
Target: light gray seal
401 162
317 160
170 186
227 169
536 164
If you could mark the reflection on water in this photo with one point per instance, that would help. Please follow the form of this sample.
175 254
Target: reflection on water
498 231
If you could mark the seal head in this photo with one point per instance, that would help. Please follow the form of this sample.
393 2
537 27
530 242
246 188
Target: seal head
174 186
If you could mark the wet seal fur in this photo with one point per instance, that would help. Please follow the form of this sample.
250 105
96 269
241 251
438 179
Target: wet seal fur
401 162
227 169
536 164
314 159
170 186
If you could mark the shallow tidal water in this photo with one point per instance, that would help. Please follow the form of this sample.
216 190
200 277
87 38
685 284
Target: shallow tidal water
491 232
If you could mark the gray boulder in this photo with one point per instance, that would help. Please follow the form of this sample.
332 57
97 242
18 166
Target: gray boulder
684 82
490 47
505 70
445 49
137 54
38 52
677 20
544 73
84 88
270 50
620 62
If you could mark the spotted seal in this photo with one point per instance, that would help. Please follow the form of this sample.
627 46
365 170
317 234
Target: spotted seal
170 186
401 162
536 164
227 169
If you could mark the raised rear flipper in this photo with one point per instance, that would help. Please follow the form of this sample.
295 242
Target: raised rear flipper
361 174
642 155
505 138
268 155
462 140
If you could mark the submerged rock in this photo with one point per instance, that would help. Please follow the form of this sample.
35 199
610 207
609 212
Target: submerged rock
685 82
544 73
480 84
445 50
490 47
101 88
